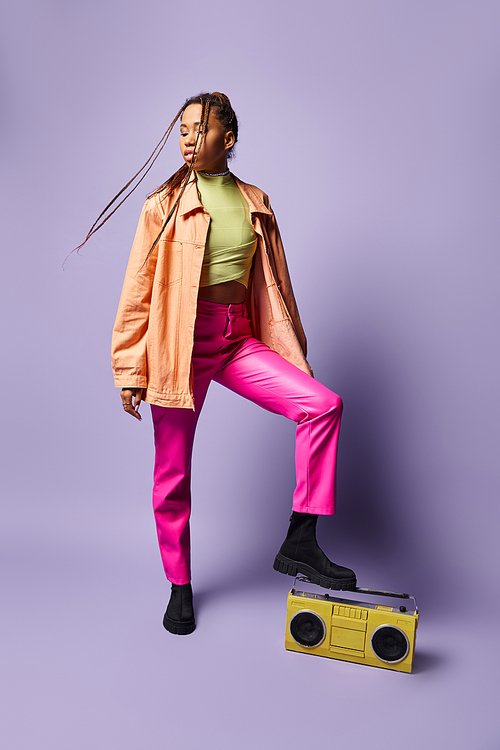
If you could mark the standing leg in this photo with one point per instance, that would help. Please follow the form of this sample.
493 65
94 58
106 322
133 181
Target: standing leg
174 434
174 431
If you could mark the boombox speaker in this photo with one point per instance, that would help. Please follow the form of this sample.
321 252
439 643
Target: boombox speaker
352 630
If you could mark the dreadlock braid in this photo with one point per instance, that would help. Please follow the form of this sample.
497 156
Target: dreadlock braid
141 174
225 114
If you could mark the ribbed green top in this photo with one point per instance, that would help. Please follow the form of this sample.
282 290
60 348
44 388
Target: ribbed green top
231 240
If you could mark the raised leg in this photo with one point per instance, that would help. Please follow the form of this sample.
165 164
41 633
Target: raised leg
261 375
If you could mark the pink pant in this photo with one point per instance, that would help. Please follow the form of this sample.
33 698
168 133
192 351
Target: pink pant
225 351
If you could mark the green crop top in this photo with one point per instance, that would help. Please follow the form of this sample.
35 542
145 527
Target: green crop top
231 241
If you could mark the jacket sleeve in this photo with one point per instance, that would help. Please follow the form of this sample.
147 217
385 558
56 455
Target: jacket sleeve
282 276
129 341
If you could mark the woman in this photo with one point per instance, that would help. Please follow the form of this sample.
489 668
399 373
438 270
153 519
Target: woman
207 296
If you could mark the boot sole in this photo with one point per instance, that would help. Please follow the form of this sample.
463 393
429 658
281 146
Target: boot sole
178 628
293 567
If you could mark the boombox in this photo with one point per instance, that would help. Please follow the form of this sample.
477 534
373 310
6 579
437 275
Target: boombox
352 630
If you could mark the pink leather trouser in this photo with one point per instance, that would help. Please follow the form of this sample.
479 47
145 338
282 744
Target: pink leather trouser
225 351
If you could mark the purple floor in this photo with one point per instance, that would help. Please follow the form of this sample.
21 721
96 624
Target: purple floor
86 663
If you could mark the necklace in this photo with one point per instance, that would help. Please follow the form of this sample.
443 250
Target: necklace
216 174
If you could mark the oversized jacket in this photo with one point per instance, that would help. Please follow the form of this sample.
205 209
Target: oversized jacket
153 333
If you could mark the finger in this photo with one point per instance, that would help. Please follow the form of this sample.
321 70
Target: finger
129 408
127 404
126 395
138 399
134 413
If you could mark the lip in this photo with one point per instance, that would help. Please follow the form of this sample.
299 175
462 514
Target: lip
188 153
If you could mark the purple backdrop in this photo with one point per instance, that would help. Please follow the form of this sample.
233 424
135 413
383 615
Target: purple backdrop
384 118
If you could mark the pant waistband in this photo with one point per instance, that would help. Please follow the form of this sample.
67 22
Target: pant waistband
215 308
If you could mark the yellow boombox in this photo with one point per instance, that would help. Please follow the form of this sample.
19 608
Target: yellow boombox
352 630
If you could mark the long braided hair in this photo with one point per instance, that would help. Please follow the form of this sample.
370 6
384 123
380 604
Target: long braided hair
221 107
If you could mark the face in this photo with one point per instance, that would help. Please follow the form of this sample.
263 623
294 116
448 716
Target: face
211 152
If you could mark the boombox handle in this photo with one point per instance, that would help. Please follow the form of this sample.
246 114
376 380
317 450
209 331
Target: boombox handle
383 593
376 592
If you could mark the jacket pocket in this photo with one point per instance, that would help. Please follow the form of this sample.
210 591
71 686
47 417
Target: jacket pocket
171 254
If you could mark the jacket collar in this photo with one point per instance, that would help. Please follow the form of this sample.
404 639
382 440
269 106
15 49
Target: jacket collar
254 197
191 202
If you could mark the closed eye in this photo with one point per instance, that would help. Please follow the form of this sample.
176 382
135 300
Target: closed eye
200 132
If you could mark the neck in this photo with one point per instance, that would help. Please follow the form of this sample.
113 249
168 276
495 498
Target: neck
215 174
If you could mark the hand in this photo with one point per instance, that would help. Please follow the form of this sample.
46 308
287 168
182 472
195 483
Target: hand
131 400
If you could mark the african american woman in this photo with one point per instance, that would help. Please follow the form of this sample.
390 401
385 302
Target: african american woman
207 296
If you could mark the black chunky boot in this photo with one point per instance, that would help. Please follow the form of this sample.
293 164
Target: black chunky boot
179 617
300 553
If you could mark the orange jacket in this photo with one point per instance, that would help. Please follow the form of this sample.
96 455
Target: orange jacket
153 333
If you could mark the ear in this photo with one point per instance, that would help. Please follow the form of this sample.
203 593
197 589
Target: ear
229 140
